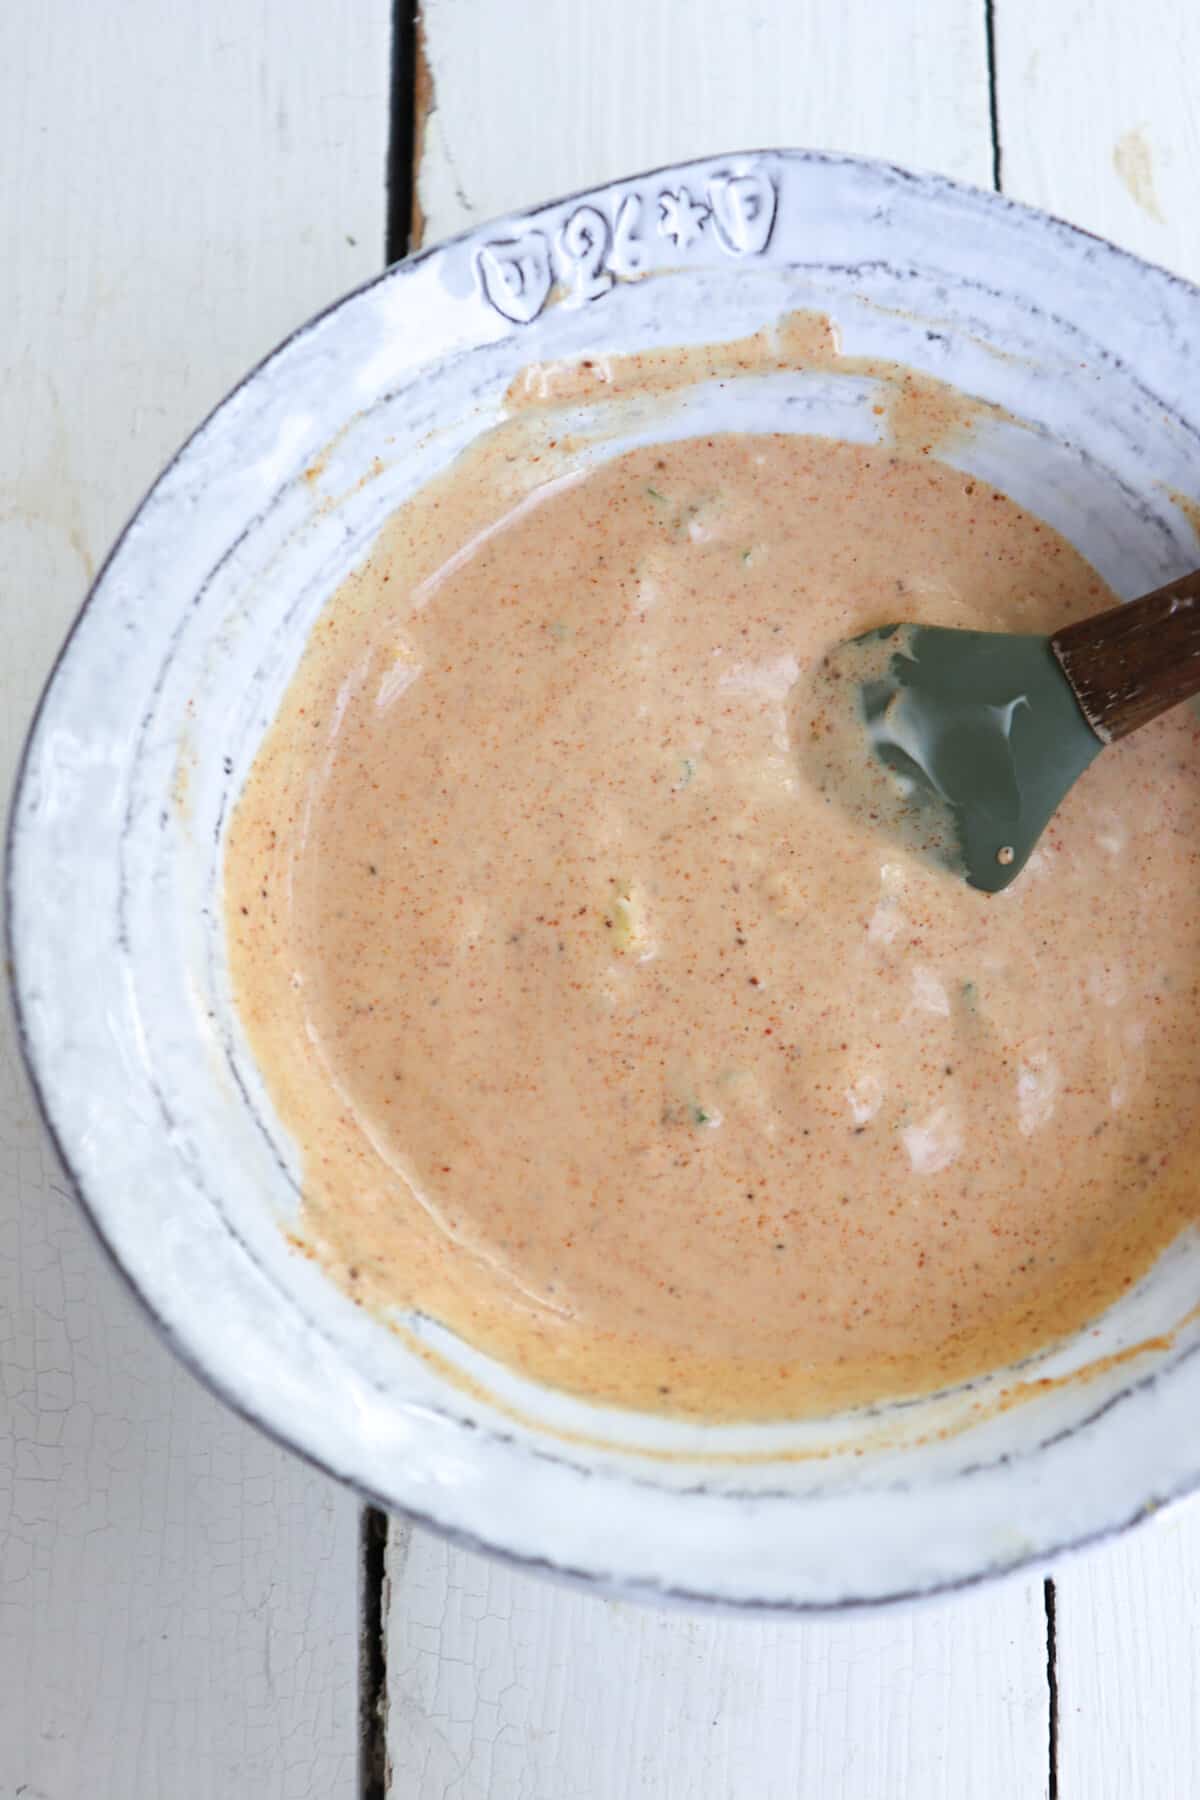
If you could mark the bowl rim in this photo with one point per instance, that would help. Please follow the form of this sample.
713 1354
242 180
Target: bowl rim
42 1081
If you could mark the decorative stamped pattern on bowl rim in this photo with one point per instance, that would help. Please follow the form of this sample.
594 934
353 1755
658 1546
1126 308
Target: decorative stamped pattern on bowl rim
595 248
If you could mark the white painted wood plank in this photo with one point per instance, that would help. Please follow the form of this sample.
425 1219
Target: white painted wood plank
1128 1629
499 1684
1099 110
578 93
178 1597
503 1687
1100 121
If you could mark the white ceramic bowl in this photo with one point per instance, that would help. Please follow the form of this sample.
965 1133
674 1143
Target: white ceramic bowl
151 721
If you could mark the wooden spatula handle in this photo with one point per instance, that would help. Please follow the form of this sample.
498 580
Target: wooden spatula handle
1128 665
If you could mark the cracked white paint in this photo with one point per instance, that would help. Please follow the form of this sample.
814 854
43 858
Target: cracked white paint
177 1595
505 1687
1099 119
627 86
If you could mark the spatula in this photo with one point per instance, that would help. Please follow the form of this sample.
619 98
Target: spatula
976 736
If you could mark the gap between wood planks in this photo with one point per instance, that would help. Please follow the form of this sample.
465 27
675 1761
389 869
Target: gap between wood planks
1052 1682
1049 1595
401 233
372 1672
404 231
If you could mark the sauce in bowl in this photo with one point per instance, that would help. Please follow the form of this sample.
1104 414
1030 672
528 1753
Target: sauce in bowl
608 1042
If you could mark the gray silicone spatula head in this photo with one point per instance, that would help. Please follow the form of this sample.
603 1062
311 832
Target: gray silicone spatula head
974 738
962 744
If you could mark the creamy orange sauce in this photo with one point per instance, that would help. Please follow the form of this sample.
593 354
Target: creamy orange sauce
607 1043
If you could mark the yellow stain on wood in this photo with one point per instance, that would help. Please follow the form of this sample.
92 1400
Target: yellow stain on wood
1135 165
